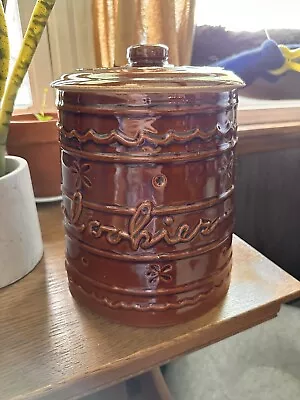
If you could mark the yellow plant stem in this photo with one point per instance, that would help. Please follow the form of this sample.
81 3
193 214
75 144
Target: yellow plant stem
31 39
4 65
4 51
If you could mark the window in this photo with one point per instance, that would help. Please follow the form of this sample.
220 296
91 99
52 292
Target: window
40 74
66 44
244 17
253 15
24 99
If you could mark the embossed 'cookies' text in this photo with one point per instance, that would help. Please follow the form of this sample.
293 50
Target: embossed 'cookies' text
138 235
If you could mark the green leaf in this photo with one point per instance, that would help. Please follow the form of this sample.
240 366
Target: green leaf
43 118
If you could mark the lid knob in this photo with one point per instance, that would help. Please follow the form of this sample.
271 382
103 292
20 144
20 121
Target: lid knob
147 55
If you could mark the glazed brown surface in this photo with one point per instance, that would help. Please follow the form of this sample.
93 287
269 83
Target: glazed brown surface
148 202
147 188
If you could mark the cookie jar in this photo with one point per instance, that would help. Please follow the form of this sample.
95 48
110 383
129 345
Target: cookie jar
148 180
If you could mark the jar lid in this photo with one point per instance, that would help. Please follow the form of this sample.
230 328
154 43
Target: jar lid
148 71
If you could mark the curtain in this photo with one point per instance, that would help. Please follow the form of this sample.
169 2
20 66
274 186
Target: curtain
121 23
70 36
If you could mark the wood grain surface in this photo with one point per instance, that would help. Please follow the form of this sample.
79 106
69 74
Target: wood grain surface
51 348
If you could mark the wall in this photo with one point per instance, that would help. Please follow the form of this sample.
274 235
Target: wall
268 205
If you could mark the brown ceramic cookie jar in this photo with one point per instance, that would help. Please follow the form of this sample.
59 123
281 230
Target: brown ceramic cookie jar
148 171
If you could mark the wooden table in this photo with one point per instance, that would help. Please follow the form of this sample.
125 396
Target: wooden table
51 348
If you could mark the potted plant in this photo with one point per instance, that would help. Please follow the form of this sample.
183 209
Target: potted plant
34 138
20 237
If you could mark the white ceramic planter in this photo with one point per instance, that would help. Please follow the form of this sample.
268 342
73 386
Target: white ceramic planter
21 246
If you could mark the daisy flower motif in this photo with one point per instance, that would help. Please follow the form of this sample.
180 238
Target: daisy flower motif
157 273
80 171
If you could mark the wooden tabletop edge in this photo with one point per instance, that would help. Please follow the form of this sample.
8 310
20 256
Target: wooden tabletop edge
156 356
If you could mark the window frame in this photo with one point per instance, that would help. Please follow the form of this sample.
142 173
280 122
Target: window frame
268 116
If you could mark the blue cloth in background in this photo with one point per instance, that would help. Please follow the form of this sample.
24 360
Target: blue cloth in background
252 64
